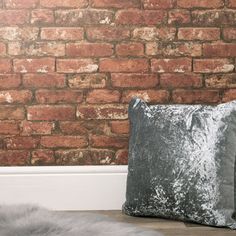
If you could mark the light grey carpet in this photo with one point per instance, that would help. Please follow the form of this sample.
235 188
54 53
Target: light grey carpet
26 220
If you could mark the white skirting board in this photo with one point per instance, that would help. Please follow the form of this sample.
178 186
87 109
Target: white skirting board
64 187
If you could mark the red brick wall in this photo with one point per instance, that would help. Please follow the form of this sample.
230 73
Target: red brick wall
68 69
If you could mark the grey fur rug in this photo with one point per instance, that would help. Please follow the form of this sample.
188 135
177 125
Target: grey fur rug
26 220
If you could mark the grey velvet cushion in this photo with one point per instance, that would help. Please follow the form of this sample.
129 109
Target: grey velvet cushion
182 162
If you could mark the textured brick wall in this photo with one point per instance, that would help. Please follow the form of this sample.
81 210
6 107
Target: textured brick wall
68 69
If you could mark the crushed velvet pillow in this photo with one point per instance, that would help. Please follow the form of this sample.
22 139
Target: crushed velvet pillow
182 162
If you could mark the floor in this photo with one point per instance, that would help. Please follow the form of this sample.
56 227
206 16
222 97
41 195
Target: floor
168 227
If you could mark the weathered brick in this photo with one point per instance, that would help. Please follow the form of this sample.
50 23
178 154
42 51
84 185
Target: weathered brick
42 157
221 81
3 49
231 4
120 127
158 4
229 95
212 66
102 112
21 142
229 33
9 127
62 33
14 158
14 17
21 4
103 96
64 141
219 50
121 157
36 128
5 65
42 16
180 80
43 80
199 33
58 96
40 65
153 96
88 81
196 96
107 33
115 3
130 49
50 112
15 96
102 141
64 3
76 66
11 113
200 3
120 80
179 16
83 17
140 17
180 65
123 65
89 49
9 81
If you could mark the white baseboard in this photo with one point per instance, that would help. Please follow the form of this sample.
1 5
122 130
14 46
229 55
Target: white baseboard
65 188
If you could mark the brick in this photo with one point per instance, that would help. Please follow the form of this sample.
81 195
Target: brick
9 127
107 33
63 141
64 3
180 81
103 96
180 65
219 50
212 66
21 142
199 34
153 96
89 49
42 157
179 16
221 81
13 17
14 158
36 128
158 4
121 157
77 17
102 112
21 4
102 141
140 17
85 157
11 113
229 95
42 16
82 127
123 65
196 96
3 49
40 65
231 4
16 33
115 3
5 65
120 80
50 112
76 66
153 34
214 17
62 33
130 49
15 96
9 81
229 33
43 80
88 81
58 96
200 3
120 127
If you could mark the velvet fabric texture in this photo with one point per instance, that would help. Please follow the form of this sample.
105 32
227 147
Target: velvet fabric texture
182 162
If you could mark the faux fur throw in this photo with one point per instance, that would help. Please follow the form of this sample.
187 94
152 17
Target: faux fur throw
26 220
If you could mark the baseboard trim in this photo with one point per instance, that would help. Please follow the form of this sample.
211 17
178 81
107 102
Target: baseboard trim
65 187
